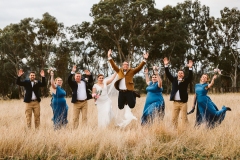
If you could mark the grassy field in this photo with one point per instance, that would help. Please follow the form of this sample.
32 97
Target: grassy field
158 141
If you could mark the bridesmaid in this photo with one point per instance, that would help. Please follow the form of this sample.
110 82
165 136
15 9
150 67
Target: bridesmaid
207 111
154 105
59 105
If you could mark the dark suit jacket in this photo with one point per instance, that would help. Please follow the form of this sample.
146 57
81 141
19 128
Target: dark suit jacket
182 86
28 88
74 86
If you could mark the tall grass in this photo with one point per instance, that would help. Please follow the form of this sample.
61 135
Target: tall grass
158 141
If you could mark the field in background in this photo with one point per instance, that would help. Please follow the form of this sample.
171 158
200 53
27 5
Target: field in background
157 141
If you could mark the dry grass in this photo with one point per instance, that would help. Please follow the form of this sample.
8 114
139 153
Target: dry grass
158 141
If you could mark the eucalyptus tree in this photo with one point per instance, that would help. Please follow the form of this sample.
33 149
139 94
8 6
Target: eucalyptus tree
203 48
168 37
16 44
48 31
229 37
199 25
121 25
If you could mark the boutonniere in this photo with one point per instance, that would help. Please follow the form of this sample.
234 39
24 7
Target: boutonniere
86 79
35 82
181 80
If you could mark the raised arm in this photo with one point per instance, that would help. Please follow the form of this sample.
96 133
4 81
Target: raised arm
212 82
114 66
168 74
146 76
155 69
52 80
112 78
190 75
140 66
19 82
43 83
70 81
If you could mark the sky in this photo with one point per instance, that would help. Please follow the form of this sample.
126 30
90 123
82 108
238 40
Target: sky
71 12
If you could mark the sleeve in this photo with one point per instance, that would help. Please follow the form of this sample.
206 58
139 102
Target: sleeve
94 86
19 82
168 74
114 66
43 83
190 75
70 82
139 67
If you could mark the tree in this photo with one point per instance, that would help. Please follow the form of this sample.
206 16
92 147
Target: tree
16 42
121 25
229 34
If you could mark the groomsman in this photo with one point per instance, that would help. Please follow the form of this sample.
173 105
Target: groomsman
179 94
81 88
32 96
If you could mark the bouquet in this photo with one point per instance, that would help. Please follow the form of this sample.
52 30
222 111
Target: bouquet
96 95
217 71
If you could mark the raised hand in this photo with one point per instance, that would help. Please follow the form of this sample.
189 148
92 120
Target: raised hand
42 73
145 55
190 64
74 68
146 71
109 53
214 77
20 72
165 61
87 72
155 68
51 73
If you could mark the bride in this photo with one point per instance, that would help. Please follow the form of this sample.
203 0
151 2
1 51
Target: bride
105 94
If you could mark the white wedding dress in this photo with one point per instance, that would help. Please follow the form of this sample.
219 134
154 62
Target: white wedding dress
107 106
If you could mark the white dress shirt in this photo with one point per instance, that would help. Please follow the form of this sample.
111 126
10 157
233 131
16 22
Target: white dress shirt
33 94
81 91
122 83
177 95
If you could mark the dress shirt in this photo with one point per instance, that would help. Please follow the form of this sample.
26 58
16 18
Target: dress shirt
33 94
81 91
122 83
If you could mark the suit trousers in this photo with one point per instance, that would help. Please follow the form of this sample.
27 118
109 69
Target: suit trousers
33 106
126 97
77 108
177 107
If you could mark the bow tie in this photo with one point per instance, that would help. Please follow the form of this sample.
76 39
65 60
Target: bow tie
124 70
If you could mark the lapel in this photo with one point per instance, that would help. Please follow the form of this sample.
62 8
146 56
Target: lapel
30 83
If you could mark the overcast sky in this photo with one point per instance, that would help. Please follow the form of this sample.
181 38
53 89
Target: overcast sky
72 12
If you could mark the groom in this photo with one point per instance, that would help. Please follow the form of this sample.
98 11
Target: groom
124 84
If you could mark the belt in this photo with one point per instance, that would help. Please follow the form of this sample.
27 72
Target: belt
123 90
178 101
81 100
34 100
